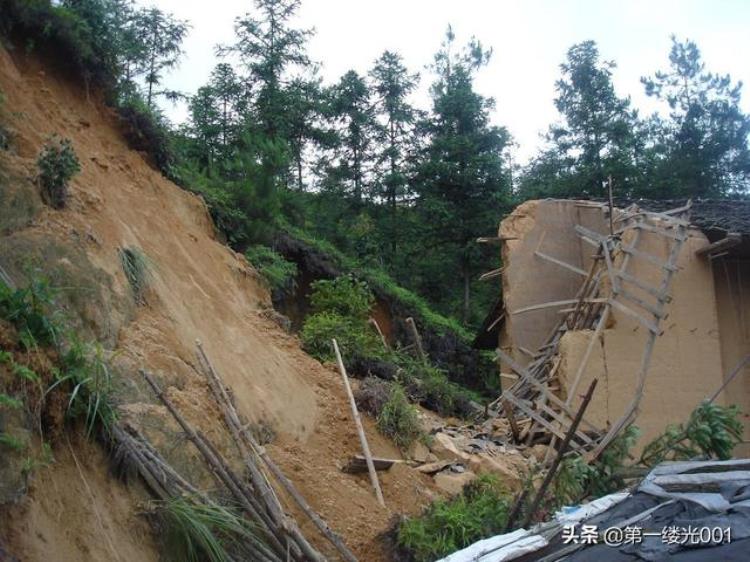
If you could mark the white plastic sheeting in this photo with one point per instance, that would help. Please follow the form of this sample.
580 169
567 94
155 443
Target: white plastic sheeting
499 548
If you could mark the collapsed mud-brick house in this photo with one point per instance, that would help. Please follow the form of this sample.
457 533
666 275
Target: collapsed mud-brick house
653 300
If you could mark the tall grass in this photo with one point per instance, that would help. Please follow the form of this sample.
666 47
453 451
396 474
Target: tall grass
137 269
199 532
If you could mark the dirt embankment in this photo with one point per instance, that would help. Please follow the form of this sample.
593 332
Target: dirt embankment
198 289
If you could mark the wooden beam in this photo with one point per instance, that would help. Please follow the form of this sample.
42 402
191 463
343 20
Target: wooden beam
412 326
561 263
492 274
553 304
495 239
732 239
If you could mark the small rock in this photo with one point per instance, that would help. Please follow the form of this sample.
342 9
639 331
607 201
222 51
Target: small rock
458 468
453 483
419 452
444 448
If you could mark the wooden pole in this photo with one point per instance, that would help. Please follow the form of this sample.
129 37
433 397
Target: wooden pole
232 419
380 333
360 429
730 377
558 459
512 421
611 207
415 336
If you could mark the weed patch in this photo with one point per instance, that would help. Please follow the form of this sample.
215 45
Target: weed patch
278 273
450 525
57 163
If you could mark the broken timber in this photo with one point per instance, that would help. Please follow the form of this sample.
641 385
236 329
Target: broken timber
532 395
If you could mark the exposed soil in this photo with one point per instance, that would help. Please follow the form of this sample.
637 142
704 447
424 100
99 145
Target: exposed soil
198 288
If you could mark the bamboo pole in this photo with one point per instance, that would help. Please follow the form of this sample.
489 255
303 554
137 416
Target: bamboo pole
360 429
232 419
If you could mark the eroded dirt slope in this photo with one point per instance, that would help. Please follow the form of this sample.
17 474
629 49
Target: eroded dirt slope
199 289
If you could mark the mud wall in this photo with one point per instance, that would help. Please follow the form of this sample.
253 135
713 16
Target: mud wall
732 282
686 366
546 226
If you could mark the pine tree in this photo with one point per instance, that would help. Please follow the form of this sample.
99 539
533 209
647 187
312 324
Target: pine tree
354 117
392 86
463 185
161 36
269 48
702 150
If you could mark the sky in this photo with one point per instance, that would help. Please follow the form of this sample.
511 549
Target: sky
529 40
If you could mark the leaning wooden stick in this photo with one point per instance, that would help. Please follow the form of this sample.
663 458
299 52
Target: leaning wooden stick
247 441
415 336
560 454
360 429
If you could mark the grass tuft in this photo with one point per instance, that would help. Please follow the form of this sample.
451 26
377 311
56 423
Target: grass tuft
137 268
199 532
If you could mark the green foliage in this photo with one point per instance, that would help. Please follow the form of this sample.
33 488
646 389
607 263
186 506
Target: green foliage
430 386
711 431
197 531
398 419
137 268
57 163
447 526
27 309
85 372
352 337
10 402
147 130
278 272
11 442
577 480
340 309
344 295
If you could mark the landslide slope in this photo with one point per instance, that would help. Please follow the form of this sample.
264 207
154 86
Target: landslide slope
198 289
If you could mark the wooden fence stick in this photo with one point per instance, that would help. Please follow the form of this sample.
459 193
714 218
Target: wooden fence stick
558 459
415 336
360 429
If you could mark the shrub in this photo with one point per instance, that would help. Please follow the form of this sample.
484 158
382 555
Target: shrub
137 270
430 387
57 163
344 295
319 329
711 431
278 272
147 131
398 419
372 395
26 309
447 526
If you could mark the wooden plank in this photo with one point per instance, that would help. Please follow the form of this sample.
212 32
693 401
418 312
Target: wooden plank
561 263
660 231
491 274
495 239
358 464
656 310
533 415
512 421
539 387
732 239
564 423
650 289
650 326
636 253
553 304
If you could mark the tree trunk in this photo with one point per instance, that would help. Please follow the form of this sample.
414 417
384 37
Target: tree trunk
467 284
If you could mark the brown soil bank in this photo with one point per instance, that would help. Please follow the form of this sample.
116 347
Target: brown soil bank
198 289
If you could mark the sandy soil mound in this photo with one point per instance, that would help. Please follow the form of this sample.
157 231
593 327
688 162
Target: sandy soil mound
199 289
